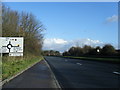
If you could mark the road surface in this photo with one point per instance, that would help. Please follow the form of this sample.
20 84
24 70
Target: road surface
75 73
38 76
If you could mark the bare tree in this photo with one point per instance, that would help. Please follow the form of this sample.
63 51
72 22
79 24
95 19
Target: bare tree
23 25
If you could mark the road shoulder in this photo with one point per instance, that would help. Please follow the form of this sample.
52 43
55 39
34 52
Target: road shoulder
37 76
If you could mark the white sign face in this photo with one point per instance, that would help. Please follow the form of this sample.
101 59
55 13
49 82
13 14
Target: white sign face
11 45
16 54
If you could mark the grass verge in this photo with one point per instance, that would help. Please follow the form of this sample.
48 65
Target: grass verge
13 65
113 60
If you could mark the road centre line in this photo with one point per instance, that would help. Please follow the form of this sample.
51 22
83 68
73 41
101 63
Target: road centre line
116 73
79 63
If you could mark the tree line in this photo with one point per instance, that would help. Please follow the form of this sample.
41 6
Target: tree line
51 53
106 50
23 24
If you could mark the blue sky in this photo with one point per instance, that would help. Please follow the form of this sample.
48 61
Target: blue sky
68 21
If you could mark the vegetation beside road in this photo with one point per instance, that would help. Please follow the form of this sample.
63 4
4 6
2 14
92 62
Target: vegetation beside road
106 50
106 53
13 65
50 53
21 24
113 60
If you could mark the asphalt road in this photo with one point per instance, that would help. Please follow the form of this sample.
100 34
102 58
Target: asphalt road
38 76
75 73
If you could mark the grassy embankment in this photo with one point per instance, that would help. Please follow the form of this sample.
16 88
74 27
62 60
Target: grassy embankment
13 65
113 60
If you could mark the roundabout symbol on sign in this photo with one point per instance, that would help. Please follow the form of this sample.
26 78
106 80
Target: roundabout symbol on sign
9 46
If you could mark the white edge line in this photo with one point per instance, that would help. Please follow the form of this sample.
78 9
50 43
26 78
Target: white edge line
56 81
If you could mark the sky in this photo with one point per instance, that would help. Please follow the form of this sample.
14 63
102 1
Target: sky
74 23
60 1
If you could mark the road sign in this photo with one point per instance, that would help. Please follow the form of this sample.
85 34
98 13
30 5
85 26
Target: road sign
11 45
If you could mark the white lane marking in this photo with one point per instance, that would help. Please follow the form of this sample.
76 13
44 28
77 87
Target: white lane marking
79 63
116 73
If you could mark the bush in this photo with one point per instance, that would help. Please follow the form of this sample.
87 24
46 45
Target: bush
108 50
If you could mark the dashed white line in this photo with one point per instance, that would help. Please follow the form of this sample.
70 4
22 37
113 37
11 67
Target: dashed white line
79 63
116 73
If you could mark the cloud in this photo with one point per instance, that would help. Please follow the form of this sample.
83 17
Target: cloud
56 41
63 45
113 18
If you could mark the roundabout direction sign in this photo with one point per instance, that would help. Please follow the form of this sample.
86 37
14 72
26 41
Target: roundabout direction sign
12 45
